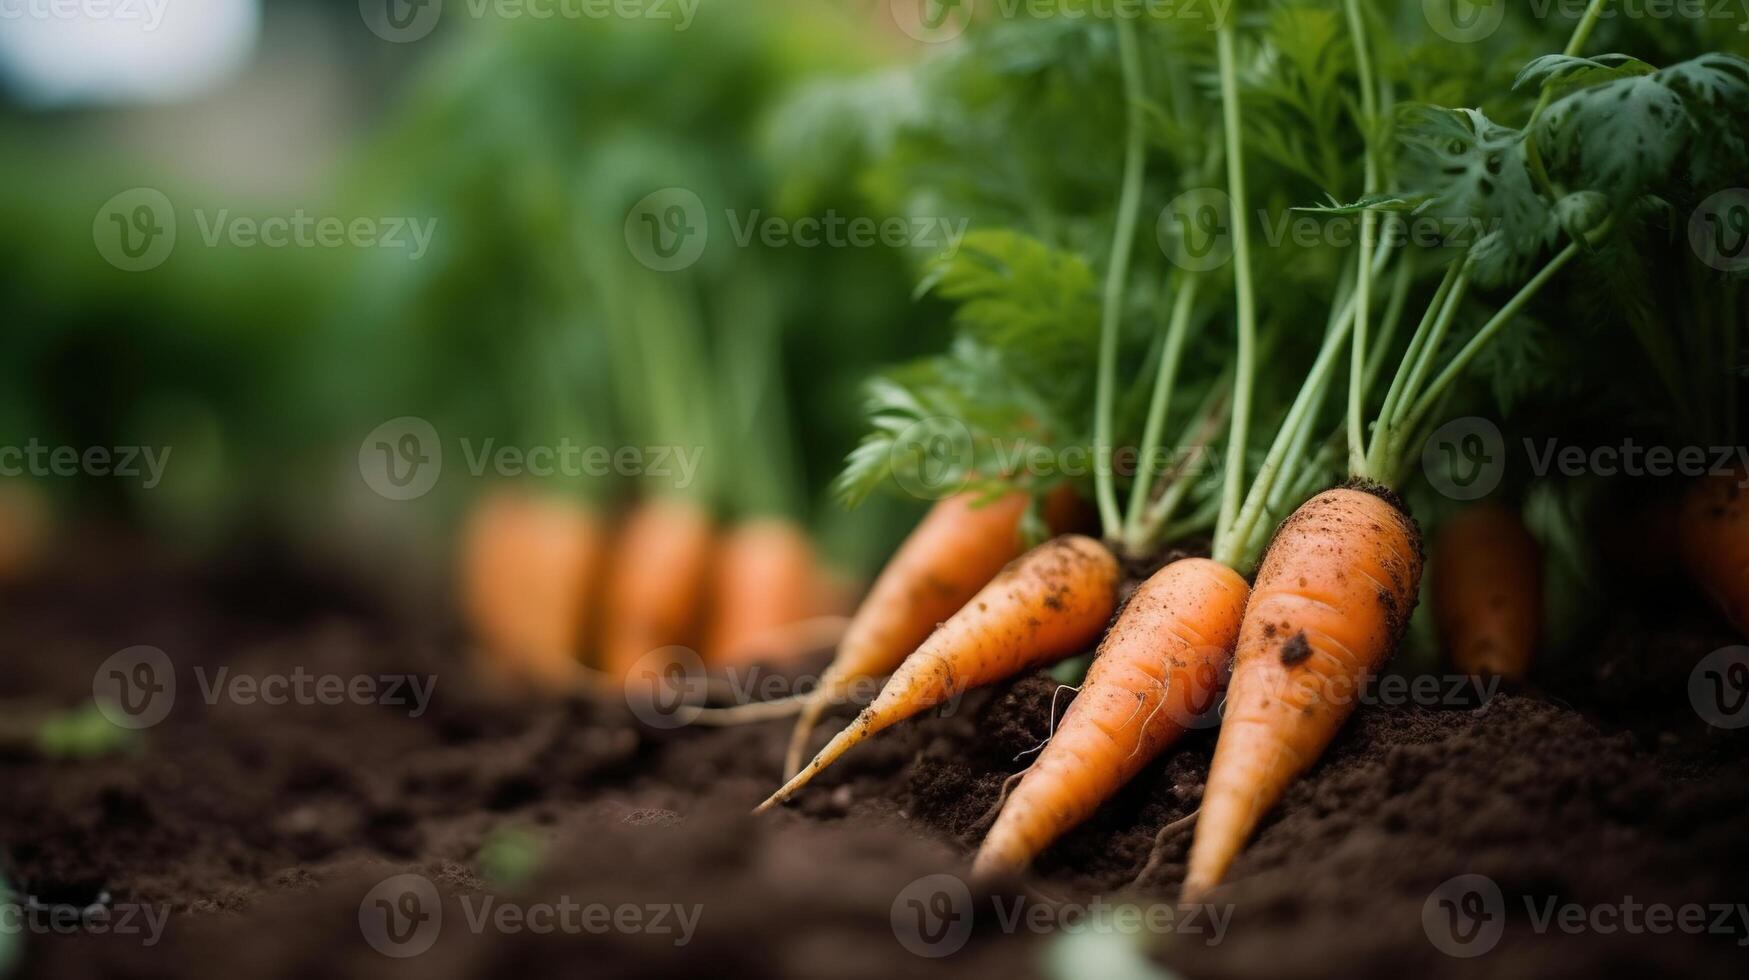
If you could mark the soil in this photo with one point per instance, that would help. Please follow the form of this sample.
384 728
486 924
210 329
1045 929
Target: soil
261 830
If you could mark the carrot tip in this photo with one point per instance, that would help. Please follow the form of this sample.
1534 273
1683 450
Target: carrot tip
770 801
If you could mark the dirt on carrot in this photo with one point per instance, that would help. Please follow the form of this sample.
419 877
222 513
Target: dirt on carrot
261 828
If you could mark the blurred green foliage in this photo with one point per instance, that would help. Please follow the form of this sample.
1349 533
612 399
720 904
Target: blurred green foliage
528 143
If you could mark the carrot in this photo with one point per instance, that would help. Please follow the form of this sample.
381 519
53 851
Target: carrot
1159 667
1487 591
762 579
834 592
530 565
957 549
1330 603
661 564
24 529
1714 528
1049 603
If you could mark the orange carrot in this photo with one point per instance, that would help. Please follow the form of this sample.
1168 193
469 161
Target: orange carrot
1331 600
661 563
1049 603
24 529
958 548
530 565
762 579
1159 668
1715 542
834 591
1487 591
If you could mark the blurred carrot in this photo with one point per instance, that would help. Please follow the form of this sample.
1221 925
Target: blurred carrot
1715 542
530 567
661 563
1330 603
23 529
1049 603
1487 591
763 578
1160 666
834 592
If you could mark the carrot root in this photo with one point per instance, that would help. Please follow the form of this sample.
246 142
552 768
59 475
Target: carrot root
653 596
1049 603
1331 601
1715 542
1160 669
529 567
956 550
762 579
1487 592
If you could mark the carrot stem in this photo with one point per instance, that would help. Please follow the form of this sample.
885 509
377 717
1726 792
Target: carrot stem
1412 354
1239 434
1468 352
1368 230
1197 435
1123 240
1232 539
1134 537
1443 311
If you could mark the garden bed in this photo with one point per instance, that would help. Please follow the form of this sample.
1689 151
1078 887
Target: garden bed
257 831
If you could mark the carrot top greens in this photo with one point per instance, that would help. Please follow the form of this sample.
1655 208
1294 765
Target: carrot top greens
1134 272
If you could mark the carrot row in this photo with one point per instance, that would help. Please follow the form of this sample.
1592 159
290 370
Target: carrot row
543 578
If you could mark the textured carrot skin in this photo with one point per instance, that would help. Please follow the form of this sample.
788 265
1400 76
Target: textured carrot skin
530 567
1329 606
1162 665
1715 542
1049 603
961 544
764 577
1487 591
657 586
957 549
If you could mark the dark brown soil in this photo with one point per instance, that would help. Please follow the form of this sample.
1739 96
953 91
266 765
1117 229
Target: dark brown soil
261 829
